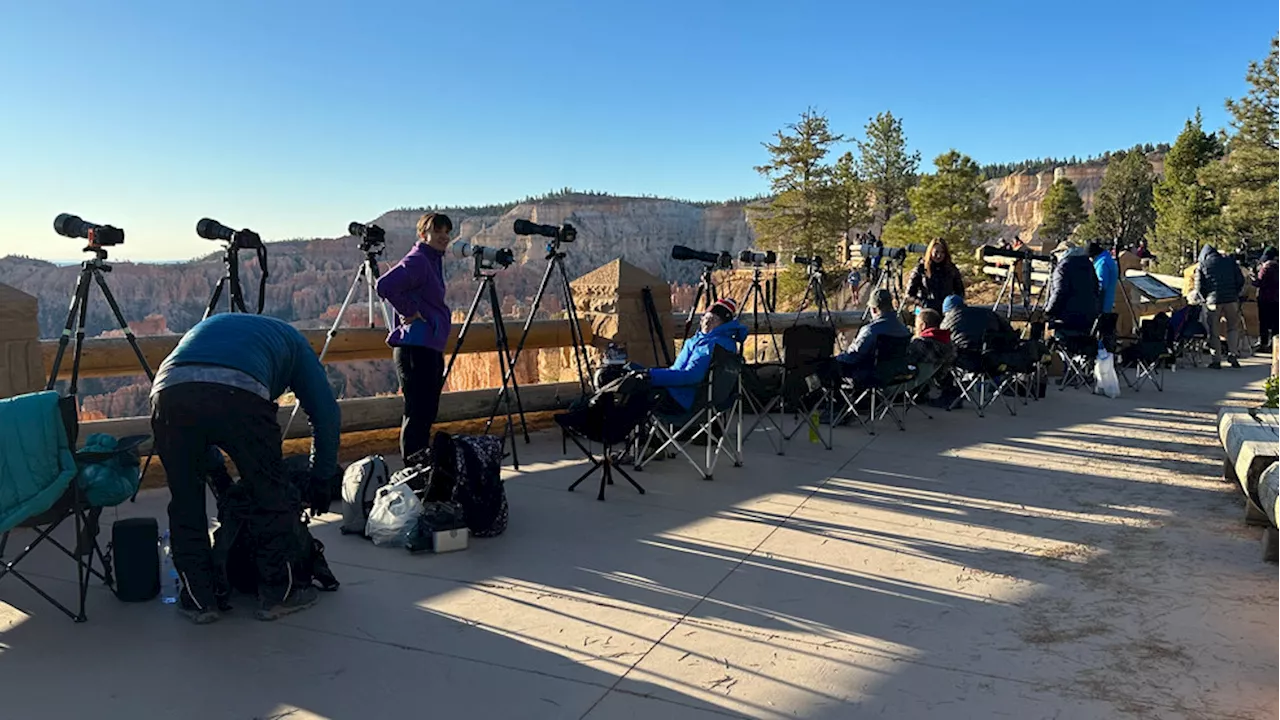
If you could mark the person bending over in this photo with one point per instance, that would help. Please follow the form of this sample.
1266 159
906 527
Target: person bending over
859 361
676 387
415 289
935 278
1075 297
218 389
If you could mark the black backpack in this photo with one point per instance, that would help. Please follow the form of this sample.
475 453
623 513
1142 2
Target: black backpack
468 471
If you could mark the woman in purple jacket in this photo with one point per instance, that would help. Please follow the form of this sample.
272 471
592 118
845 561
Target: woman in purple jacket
415 289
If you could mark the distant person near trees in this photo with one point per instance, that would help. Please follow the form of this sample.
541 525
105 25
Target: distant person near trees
1268 284
1218 285
935 278
415 289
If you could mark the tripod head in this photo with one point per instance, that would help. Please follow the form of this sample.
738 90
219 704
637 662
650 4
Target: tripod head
99 259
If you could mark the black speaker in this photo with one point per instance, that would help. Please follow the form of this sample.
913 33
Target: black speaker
135 545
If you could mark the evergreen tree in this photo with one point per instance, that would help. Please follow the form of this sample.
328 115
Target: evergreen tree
1246 181
1186 210
950 204
799 218
886 166
1122 209
849 197
1061 210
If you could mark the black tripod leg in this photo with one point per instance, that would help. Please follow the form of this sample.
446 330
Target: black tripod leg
524 336
504 352
213 300
128 333
83 311
580 355
462 333
77 295
693 311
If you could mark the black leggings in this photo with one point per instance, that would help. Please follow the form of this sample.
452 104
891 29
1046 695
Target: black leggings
421 373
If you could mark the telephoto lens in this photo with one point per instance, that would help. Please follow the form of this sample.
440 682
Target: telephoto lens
563 233
720 259
492 256
751 257
73 226
814 260
916 248
213 230
372 233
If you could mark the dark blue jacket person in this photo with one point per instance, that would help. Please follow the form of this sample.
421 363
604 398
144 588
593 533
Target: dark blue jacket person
218 388
718 328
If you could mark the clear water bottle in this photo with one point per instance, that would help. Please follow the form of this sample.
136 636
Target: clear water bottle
168 573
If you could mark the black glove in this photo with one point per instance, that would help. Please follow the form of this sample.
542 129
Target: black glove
319 495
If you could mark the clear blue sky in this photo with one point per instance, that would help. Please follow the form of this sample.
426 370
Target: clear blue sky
293 118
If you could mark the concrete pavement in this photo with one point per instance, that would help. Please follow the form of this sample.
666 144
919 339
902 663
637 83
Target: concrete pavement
1080 560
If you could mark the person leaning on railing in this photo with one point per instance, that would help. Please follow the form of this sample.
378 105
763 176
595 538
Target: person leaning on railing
415 289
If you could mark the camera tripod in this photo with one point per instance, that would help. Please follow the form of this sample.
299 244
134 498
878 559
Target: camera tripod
657 337
484 273
235 299
758 296
368 273
1019 280
815 290
889 278
555 266
706 290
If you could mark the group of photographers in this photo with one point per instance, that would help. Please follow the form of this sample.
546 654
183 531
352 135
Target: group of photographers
216 392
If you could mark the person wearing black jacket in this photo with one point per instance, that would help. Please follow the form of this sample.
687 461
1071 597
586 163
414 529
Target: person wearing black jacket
1268 284
1075 297
935 278
970 325
1219 283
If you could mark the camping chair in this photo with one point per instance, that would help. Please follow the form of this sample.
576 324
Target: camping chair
713 416
1079 351
610 417
1145 357
41 490
891 374
761 394
810 379
1187 336
925 374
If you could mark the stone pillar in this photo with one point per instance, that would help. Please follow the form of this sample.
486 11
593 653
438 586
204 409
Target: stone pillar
611 299
21 367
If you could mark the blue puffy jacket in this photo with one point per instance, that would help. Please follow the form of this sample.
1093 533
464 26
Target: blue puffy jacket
693 362
1108 277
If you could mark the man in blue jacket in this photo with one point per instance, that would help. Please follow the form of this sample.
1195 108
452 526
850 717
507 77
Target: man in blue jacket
679 383
1104 266
217 389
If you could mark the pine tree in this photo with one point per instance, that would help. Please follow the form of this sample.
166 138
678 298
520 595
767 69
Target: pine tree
1122 209
1187 212
886 166
1062 211
1246 181
799 219
849 197
950 204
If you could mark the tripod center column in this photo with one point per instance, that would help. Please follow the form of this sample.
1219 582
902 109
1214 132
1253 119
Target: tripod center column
21 365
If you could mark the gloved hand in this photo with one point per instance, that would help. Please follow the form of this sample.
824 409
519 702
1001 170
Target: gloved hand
319 495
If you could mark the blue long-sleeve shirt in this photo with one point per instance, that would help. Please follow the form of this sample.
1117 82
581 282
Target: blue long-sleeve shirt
275 354
1108 278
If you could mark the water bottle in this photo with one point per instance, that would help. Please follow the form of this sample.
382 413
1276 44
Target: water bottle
168 573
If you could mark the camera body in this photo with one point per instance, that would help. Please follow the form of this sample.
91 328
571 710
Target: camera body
486 257
99 236
372 237
752 257
210 229
718 261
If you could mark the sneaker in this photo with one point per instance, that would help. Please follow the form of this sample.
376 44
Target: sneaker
1234 362
298 599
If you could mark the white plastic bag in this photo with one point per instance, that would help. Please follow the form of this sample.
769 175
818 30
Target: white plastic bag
1106 382
395 510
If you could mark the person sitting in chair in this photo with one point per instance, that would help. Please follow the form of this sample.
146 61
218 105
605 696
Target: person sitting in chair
859 362
931 343
676 386
970 324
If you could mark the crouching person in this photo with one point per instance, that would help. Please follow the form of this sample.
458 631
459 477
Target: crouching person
218 389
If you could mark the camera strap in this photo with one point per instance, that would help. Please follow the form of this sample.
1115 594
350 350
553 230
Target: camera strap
262 280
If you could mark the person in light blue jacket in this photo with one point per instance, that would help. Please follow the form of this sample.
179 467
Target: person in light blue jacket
1104 266
678 384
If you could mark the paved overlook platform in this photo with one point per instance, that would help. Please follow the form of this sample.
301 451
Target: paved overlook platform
1081 560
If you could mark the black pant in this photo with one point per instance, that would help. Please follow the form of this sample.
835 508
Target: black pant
421 372
187 420
1268 321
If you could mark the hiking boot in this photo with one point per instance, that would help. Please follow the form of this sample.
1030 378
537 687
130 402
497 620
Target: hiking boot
299 598
195 613
1234 362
